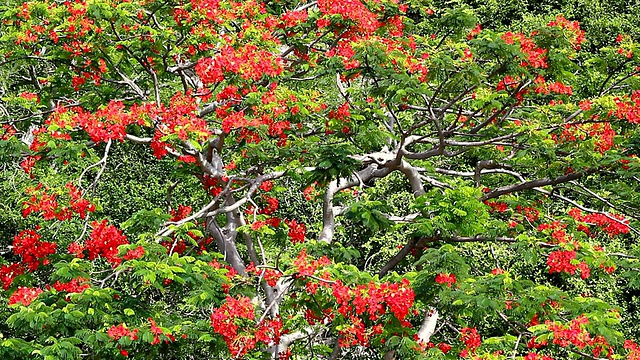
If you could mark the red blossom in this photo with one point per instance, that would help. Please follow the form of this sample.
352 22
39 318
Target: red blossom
24 295
248 61
573 27
573 333
8 273
76 249
296 232
31 249
119 331
352 10
76 285
471 340
560 261
29 96
497 206
534 356
78 204
225 321
136 253
536 57
444 347
445 278
307 267
104 241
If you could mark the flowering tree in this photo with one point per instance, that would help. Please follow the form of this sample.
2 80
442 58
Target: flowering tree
357 179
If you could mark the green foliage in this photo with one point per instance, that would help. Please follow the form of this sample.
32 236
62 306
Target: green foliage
451 212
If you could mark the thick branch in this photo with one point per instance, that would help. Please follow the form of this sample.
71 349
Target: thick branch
328 212
528 185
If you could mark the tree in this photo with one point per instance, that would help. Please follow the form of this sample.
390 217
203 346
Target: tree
331 179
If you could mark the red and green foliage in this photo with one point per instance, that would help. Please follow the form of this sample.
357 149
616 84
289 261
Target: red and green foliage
360 179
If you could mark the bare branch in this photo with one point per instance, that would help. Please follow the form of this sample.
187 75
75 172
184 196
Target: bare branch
528 185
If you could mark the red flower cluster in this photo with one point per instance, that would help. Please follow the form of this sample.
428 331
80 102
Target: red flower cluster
225 321
342 113
634 350
536 57
507 82
534 356
181 118
293 18
46 203
605 221
573 333
108 123
119 331
471 340
444 278
76 285
354 333
24 295
374 300
76 249
29 163
353 10
563 261
136 253
266 185
532 214
307 267
29 96
8 273
104 241
78 204
157 331
271 276
213 186
247 61
271 206
497 206
555 225
577 34
560 88
556 87
28 246
560 261
7 131
629 109
296 232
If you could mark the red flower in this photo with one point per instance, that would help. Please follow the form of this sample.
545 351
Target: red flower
104 241
308 267
8 273
351 10
471 340
76 249
134 253
77 285
33 252
118 331
444 278
24 295
560 261
444 347
296 232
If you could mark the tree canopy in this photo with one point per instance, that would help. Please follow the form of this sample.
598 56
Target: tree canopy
319 179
